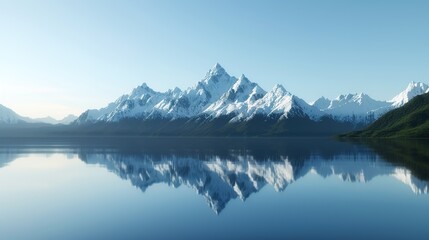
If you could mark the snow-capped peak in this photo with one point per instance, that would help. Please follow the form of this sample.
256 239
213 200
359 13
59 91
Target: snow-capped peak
216 82
219 94
241 82
237 99
144 85
216 70
243 79
358 107
141 90
322 103
280 102
174 91
413 89
216 94
359 98
279 90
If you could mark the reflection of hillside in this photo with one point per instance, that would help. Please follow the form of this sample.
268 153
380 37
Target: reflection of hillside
409 153
237 173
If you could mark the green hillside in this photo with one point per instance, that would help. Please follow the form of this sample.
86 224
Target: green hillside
408 121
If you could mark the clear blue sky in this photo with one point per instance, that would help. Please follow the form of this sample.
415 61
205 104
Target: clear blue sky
60 57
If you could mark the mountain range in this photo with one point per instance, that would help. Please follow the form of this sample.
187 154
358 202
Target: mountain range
410 120
221 104
220 94
9 117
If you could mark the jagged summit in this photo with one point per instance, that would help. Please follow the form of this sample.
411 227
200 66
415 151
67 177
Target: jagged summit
216 70
142 89
413 89
322 103
219 94
279 90
242 81
359 98
243 78
358 107
175 90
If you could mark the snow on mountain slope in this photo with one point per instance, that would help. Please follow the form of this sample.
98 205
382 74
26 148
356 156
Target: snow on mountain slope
93 115
219 94
321 103
196 99
353 107
413 89
278 101
143 102
246 99
215 95
362 108
139 103
237 99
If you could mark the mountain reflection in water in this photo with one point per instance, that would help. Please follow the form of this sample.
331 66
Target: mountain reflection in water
222 169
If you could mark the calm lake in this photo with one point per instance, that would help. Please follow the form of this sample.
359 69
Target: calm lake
213 188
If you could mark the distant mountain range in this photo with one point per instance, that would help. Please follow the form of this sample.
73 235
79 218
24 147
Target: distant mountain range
410 120
221 104
362 108
9 117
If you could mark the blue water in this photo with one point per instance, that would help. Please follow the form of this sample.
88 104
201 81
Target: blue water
185 188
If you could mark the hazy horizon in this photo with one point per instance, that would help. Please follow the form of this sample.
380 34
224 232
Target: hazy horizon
61 58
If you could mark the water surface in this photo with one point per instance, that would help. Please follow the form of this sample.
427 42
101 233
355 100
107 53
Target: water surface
212 188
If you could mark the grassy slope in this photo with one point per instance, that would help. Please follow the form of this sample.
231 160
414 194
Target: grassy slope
410 120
